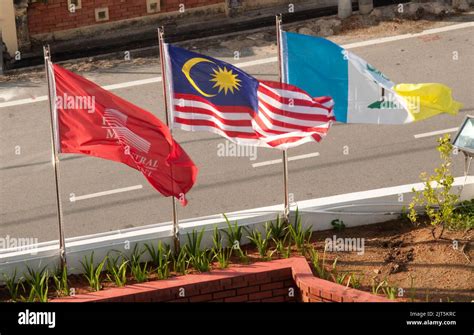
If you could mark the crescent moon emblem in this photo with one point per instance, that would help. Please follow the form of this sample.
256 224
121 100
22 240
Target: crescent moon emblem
187 69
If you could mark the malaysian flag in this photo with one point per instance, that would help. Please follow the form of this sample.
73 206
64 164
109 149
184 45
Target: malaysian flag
210 95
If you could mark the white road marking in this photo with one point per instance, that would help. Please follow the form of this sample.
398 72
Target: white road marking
437 132
256 62
101 194
405 36
23 101
277 161
131 83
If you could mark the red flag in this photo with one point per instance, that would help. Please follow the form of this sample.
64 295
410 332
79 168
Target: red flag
93 121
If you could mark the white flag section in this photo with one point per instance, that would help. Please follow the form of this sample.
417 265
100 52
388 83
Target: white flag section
370 96
361 93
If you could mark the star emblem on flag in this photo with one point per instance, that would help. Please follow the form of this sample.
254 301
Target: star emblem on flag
225 80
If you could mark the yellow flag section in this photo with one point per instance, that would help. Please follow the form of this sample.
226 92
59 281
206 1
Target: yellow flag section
427 100
361 93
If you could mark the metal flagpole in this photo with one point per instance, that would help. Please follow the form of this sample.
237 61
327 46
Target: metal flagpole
286 212
161 33
55 158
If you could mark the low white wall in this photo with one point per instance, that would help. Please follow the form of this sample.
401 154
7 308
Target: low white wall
355 209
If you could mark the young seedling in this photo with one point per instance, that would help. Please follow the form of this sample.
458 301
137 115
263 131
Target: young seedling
378 287
61 282
299 236
37 281
390 291
193 247
338 224
354 281
221 254
161 259
278 230
138 269
234 236
259 241
117 270
199 259
13 285
92 272
318 265
181 262
284 252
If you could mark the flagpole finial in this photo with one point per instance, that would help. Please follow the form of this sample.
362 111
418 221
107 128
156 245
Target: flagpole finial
46 51
279 17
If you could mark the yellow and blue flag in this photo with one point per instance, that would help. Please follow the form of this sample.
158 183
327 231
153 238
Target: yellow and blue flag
361 93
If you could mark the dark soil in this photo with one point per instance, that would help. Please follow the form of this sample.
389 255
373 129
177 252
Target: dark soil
409 257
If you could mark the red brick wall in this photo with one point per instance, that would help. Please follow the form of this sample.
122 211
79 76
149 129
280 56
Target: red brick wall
265 281
55 16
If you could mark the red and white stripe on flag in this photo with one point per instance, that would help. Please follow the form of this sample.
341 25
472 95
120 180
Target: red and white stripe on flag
287 117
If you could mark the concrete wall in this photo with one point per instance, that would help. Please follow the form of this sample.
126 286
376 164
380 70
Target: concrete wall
7 26
355 209
55 15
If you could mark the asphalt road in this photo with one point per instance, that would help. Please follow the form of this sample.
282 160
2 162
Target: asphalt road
351 158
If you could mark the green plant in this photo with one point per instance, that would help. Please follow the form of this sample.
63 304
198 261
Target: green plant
390 291
377 285
92 272
138 269
234 235
161 258
319 265
61 282
383 287
404 214
299 235
180 262
199 259
221 254
439 203
217 239
193 247
340 278
259 241
338 224
412 289
465 215
284 252
354 281
155 253
13 285
117 270
37 282
164 261
277 230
